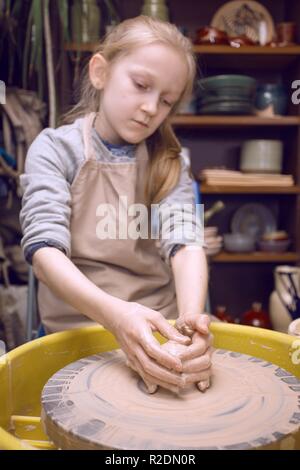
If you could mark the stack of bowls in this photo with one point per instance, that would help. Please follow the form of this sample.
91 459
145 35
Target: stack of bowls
213 242
274 242
239 242
226 94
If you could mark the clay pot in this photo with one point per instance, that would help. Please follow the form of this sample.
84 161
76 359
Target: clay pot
286 33
156 9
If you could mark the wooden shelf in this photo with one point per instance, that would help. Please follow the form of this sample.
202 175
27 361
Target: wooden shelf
256 257
187 120
204 189
250 57
211 50
248 50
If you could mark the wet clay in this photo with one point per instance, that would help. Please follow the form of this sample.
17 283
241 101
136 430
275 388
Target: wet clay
99 403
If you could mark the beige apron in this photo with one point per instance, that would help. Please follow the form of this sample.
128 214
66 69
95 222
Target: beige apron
129 269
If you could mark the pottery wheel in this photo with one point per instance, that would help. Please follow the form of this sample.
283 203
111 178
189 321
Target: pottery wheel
99 403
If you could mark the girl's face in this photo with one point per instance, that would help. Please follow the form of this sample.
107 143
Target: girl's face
139 93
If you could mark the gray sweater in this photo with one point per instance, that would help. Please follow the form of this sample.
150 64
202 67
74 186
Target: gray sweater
52 163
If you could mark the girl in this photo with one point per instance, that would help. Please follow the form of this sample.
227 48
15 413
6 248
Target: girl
118 151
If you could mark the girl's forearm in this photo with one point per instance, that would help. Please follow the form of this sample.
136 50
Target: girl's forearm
67 282
190 271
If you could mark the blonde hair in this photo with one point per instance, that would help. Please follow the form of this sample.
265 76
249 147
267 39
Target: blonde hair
164 163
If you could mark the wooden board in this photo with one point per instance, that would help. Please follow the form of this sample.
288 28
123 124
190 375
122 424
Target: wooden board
99 403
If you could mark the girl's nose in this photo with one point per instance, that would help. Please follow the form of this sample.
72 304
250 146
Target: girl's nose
150 105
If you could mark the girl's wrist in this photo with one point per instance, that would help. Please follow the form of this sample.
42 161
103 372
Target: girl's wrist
111 309
189 313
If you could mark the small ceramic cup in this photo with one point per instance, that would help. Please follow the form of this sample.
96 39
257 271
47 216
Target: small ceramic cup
294 328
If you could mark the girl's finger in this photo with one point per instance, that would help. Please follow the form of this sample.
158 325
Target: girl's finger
198 377
198 323
169 331
153 349
203 385
151 387
199 347
197 364
148 379
152 369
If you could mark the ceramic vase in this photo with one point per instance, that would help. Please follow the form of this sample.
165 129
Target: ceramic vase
284 304
274 95
156 9
86 21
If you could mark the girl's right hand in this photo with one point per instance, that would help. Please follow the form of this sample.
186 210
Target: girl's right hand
133 328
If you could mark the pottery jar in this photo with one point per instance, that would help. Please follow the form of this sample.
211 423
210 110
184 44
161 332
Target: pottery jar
294 328
273 95
261 156
85 21
284 306
156 9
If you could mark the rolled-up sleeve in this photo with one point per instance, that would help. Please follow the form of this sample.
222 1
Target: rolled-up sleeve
46 201
180 220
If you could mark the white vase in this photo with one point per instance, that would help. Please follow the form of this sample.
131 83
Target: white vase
294 328
284 304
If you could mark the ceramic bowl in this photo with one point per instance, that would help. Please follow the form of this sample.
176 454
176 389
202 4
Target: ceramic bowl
274 246
226 94
231 82
239 242
212 251
277 235
210 231
216 242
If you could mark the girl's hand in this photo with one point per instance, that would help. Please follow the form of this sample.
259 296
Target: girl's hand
133 328
196 358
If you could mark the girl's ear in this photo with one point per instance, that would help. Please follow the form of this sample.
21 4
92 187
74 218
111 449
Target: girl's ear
98 68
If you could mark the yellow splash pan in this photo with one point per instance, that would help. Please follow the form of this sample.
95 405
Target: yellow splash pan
25 370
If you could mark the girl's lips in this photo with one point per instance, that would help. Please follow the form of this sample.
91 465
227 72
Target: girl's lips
141 123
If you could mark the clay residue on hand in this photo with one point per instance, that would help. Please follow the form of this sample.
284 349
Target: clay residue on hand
176 349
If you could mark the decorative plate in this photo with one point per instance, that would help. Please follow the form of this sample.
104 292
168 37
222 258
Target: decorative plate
243 17
253 219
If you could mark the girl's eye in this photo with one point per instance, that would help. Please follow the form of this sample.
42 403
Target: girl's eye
140 85
167 103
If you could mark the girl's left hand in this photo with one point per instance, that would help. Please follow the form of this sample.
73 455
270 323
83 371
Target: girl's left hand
196 359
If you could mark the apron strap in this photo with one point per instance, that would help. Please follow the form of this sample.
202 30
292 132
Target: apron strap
89 152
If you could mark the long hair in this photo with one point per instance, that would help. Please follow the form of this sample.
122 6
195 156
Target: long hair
163 147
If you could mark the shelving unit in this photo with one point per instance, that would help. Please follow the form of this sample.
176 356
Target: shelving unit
234 121
238 279
256 257
242 190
